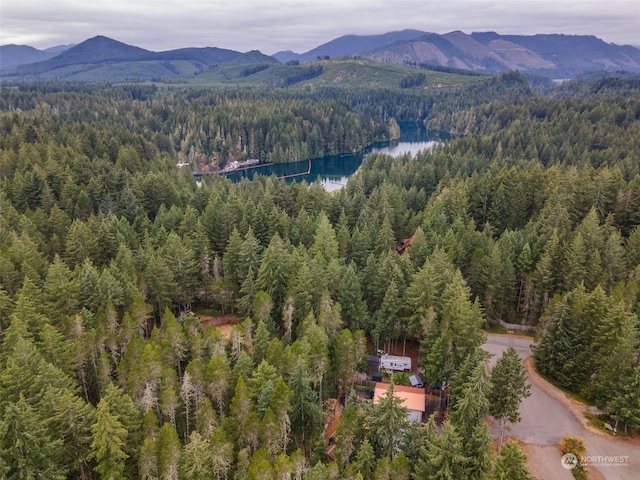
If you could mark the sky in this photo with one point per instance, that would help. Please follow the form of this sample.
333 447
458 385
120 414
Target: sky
300 25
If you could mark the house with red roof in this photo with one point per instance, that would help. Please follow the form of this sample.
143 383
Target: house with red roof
413 399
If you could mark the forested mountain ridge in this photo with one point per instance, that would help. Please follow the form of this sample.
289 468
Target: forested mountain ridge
532 217
81 61
554 56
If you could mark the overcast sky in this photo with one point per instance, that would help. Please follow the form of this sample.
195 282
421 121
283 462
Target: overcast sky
300 25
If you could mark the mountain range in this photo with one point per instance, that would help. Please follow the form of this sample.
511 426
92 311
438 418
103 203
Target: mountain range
103 59
553 55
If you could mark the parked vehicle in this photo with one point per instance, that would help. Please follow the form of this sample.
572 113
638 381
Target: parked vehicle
416 381
395 363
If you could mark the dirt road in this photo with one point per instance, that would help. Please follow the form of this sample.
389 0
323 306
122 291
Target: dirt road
549 414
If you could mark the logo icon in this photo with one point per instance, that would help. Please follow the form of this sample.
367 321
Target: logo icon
569 461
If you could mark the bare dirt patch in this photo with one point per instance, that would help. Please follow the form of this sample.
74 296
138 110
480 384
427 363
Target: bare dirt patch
333 416
224 323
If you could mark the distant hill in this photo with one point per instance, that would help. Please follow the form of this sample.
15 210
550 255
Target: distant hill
555 56
206 56
286 56
349 45
252 57
13 55
104 59
96 50
59 48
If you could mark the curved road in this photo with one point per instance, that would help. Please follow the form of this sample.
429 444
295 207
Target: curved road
547 417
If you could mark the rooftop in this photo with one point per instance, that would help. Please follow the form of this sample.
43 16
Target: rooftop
412 398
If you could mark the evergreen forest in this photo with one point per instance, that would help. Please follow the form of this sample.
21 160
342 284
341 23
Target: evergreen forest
531 215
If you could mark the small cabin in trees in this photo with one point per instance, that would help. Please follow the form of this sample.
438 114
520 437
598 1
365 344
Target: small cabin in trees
413 399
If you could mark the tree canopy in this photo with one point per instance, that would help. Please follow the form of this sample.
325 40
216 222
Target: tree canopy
532 217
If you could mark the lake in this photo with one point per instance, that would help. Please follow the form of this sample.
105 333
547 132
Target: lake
334 170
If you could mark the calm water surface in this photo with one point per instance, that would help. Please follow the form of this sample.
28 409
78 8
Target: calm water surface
334 170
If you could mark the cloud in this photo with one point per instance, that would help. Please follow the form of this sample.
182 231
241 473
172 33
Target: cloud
301 24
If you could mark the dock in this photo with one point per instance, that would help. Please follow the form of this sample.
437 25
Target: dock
291 175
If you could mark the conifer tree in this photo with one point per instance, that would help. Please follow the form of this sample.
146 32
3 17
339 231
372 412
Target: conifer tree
195 460
282 467
169 451
305 411
160 283
218 377
472 402
273 274
365 460
182 263
69 418
616 376
121 405
508 389
347 432
325 245
109 437
60 291
299 464
442 458
148 462
280 403
511 464
249 259
269 434
354 309
240 410
345 360
231 260
221 454
26 448
388 423
400 468
383 469
5 308
260 466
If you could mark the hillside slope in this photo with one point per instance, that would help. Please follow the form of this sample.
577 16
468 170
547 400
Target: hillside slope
556 56
359 73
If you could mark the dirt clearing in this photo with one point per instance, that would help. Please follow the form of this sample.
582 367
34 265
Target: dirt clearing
224 323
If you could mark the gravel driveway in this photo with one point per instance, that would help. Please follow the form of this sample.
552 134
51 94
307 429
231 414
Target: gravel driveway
549 414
